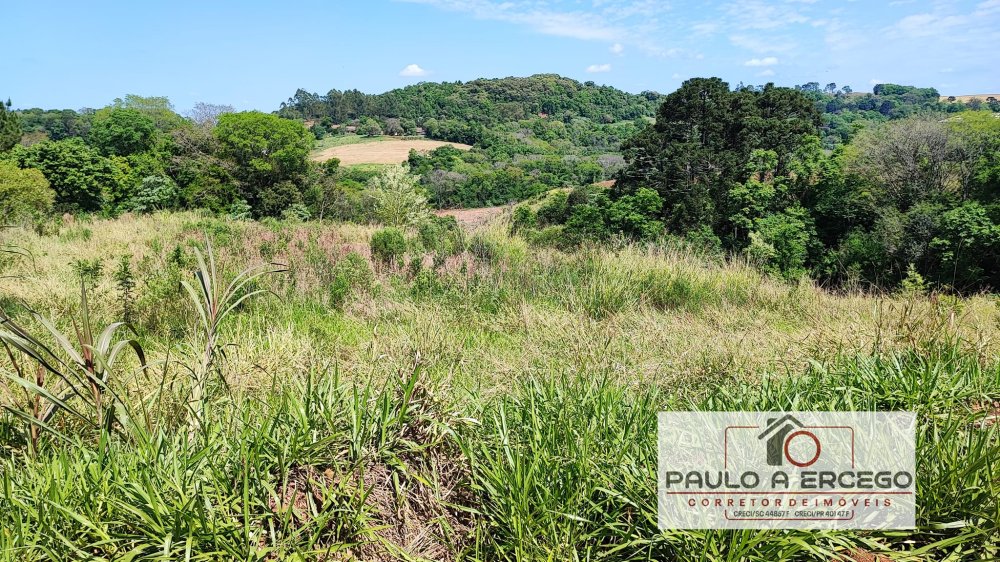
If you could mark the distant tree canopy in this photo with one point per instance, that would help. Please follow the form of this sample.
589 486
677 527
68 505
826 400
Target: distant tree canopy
485 101
852 189
122 132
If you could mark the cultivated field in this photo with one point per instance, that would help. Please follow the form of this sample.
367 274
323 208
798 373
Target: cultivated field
382 150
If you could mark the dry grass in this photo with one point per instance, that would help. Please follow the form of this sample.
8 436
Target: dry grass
529 311
386 150
970 97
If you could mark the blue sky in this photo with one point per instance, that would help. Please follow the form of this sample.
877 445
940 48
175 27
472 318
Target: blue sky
254 54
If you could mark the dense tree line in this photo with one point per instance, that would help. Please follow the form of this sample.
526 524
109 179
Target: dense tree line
485 101
137 154
845 112
743 171
854 189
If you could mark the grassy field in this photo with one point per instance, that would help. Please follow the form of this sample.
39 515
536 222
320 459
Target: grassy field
494 403
356 149
970 97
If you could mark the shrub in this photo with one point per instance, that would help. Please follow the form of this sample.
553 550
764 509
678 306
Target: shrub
296 212
442 236
396 198
388 246
551 237
22 193
586 223
524 219
491 248
351 275
155 193
555 209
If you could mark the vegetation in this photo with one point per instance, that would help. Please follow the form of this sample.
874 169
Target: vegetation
10 127
386 413
743 170
23 194
487 101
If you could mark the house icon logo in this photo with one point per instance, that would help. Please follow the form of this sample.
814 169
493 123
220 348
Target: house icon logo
779 436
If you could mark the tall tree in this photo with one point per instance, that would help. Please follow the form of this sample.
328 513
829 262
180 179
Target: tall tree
207 114
267 151
10 127
703 138
122 132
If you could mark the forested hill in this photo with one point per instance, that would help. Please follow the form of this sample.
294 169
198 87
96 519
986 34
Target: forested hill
486 101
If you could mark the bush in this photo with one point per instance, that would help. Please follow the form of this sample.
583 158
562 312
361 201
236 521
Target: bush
351 275
586 223
22 193
493 249
555 209
155 193
442 236
397 199
524 219
388 246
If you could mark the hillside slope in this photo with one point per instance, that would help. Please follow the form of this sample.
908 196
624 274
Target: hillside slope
487 101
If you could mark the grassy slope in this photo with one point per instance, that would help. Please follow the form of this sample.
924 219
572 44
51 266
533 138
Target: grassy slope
589 336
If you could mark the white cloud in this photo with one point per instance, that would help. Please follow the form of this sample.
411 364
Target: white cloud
767 72
875 81
617 48
625 22
599 68
766 61
757 44
412 70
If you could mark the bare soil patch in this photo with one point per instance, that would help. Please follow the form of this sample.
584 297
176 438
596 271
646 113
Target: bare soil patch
386 151
473 218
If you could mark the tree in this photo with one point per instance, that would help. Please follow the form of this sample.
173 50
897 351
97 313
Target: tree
77 173
207 114
702 139
157 108
266 150
122 132
22 193
10 127
909 161
369 128
393 127
323 188
396 199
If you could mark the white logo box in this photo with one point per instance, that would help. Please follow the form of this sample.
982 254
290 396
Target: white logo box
786 470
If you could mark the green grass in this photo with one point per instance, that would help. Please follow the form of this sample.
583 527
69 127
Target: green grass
500 407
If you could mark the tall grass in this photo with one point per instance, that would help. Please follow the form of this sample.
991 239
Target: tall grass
500 405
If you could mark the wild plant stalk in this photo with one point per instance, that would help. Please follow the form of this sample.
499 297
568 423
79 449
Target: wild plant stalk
85 374
214 304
